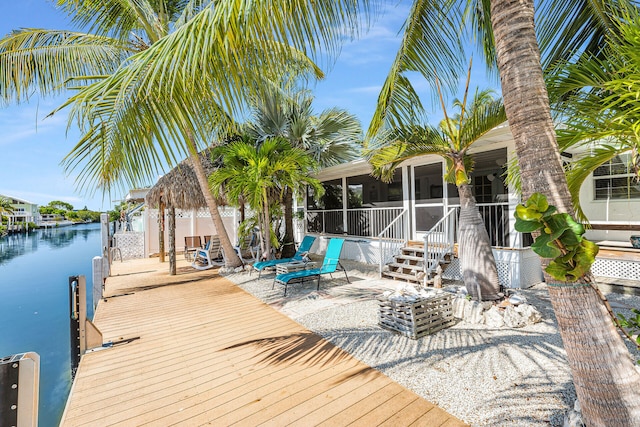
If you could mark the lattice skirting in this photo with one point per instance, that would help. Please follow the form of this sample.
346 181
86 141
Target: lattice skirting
626 269
516 268
130 243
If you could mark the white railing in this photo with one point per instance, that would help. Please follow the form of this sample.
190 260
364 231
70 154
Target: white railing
496 221
392 238
362 222
439 241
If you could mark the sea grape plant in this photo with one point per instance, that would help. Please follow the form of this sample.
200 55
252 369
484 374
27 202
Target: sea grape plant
561 238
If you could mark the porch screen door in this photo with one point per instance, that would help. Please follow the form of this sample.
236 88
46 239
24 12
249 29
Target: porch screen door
428 191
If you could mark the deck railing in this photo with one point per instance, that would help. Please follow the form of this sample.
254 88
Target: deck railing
496 220
439 241
363 222
392 237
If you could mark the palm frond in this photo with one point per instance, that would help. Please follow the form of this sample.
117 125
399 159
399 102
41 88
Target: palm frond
424 51
44 60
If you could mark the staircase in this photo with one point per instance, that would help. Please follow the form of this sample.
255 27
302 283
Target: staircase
415 265
409 264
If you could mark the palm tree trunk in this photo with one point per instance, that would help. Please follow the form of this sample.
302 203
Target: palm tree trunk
231 258
161 231
477 263
288 244
267 222
606 382
172 241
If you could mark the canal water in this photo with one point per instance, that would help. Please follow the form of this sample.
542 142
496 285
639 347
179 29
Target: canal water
34 303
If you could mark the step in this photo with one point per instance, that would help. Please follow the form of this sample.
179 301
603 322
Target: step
403 276
409 257
414 267
406 250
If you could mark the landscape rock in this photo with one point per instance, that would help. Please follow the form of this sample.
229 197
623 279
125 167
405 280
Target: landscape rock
493 318
473 312
529 313
574 417
512 318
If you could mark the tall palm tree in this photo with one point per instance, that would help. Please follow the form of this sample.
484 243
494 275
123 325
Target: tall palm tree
258 174
330 138
606 383
118 29
452 140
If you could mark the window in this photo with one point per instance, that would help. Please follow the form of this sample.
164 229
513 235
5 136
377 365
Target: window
365 191
331 199
615 180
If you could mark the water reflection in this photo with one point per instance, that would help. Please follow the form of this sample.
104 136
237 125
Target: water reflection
14 245
34 303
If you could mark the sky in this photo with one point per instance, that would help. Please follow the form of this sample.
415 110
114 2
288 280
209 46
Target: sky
32 145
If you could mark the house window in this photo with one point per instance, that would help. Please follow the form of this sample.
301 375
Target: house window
365 191
331 199
615 180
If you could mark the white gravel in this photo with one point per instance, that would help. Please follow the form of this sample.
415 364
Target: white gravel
486 377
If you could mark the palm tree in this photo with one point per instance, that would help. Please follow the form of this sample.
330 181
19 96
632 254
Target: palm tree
452 139
157 78
606 383
259 173
330 138
596 99
6 208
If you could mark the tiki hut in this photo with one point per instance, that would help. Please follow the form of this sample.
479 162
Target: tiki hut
178 189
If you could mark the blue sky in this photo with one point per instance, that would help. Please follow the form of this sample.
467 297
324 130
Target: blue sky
33 146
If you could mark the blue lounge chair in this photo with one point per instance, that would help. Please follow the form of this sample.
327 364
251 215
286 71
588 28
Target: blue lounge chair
305 246
329 265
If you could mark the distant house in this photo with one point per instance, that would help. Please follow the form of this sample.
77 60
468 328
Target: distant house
23 211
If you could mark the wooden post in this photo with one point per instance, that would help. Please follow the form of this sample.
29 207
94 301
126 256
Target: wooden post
172 240
161 230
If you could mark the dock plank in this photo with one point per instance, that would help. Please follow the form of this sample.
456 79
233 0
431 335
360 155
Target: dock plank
209 353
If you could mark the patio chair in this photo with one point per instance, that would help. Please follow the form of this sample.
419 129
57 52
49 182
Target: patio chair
191 245
248 248
329 265
303 249
210 256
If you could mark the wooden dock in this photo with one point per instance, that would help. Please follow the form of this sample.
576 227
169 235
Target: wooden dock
209 353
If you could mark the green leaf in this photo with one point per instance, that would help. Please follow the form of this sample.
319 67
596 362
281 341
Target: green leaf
527 214
527 226
545 247
538 202
557 270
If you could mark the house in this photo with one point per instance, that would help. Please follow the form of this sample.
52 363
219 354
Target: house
419 205
23 211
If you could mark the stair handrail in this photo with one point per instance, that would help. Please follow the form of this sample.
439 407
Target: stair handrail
439 241
385 244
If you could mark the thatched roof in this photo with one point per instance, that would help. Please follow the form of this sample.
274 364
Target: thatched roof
179 187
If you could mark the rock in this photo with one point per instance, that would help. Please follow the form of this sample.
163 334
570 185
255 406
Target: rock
493 318
238 269
512 318
529 313
473 312
574 417
459 304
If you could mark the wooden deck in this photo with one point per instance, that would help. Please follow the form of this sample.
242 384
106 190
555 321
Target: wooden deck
210 353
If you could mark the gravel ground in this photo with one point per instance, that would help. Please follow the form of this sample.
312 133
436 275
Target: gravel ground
486 377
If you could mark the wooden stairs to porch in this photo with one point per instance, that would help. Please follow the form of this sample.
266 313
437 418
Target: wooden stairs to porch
408 265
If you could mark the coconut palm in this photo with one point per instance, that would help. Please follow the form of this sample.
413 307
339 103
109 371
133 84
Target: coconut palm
452 140
596 99
157 77
259 173
331 138
606 383
6 208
